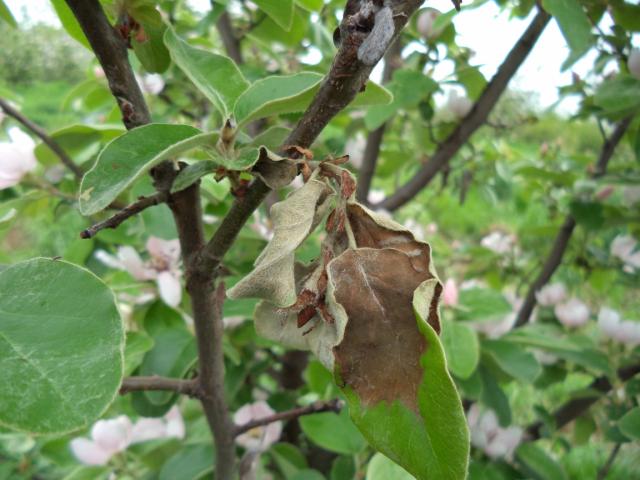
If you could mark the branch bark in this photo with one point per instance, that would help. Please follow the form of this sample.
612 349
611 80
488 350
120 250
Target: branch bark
317 407
576 407
347 77
474 120
177 385
230 41
127 212
46 139
111 50
563 237
374 139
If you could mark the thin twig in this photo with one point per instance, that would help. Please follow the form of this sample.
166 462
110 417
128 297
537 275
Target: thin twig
474 120
155 383
318 407
229 38
604 471
46 139
574 408
563 237
127 212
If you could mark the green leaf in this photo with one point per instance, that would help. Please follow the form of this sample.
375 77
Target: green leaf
629 424
539 462
152 52
373 94
138 343
130 156
173 354
461 345
308 474
281 11
588 214
190 463
216 76
333 432
276 95
311 5
494 397
61 347
513 359
288 458
343 468
5 14
619 96
431 443
69 23
482 305
381 468
192 173
574 25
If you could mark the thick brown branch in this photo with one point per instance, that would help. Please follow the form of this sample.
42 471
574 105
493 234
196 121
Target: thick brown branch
474 120
563 237
111 50
576 407
346 78
127 212
46 139
317 407
178 385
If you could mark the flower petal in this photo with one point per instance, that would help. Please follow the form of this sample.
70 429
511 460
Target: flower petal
88 452
170 288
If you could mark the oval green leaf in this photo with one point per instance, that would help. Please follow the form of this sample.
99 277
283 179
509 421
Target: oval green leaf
216 76
275 95
132 155
462 348
333 432
281 11
61 347
381 468
629 424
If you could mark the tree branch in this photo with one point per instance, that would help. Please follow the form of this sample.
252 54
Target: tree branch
318 407
230 41
374 139
347 77
127 212
563 237
46 139
111 50
604 471
474 120
577 406
178 385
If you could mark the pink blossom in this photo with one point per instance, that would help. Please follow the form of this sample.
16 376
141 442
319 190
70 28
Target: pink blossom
16 158
572 313
260 438
552 294
450 293
425 23
163 266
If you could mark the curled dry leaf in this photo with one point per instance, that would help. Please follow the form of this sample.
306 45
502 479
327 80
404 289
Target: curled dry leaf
275 171
293 219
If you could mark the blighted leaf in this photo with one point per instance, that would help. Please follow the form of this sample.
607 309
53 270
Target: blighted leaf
294 218
130 156
276 95
216 76
275 171
61 346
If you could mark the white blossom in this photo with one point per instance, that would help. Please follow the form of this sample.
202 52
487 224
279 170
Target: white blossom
633 63
151 83
624 247
163 266
458 106
16 158
623 331
498 242
257 439
572 313
355 149
489 436
109 437
552 294
425 23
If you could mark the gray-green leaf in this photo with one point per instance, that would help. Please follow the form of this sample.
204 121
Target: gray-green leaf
61 346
